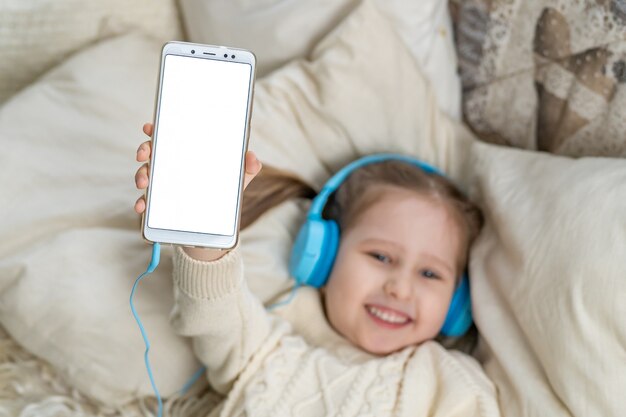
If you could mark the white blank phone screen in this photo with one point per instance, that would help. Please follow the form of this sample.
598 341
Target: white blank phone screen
199 145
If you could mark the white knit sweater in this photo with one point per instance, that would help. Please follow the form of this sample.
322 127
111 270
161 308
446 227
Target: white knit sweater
293 363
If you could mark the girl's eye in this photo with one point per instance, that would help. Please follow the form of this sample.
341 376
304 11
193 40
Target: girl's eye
427 273
380 257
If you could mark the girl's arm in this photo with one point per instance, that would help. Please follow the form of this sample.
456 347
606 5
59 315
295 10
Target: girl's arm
212 303
214 306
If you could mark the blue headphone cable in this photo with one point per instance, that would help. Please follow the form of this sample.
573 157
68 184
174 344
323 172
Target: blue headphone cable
154 262
288 300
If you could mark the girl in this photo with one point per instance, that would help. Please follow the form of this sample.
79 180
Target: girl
362 345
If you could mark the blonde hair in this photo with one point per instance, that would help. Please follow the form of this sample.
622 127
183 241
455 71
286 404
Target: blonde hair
269 188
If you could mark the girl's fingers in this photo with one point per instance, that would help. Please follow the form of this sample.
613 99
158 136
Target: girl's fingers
253 167
140 205
141 177
147 128
143 152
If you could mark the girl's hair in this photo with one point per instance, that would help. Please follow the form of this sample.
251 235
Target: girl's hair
362 189
358 192
269 188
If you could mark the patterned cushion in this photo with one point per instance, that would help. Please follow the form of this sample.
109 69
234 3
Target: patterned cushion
545 75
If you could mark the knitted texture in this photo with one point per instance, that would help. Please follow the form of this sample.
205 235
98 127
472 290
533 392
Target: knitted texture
293 363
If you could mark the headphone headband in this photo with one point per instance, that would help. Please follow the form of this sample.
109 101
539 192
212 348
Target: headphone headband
319 202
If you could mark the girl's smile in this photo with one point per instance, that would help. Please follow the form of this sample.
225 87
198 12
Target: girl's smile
387 317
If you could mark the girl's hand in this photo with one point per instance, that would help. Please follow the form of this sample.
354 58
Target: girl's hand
252 165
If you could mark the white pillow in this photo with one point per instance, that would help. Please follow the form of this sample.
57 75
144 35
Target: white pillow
549 281
278 31
70 246
36 35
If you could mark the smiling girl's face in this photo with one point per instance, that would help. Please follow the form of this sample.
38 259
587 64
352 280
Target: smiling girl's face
395 272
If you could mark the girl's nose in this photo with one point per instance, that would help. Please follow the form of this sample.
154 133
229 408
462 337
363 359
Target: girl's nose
399 285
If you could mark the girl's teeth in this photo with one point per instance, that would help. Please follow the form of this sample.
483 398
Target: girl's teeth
387 316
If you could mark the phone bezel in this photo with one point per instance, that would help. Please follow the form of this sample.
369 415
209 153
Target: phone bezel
195 239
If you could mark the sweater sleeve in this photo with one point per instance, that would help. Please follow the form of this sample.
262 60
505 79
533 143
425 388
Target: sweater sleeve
214 306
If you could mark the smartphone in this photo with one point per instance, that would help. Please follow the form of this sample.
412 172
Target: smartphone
200 138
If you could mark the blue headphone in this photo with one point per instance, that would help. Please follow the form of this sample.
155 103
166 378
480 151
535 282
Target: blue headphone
317 243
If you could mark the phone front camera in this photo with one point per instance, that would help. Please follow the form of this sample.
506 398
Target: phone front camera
193 51
225 55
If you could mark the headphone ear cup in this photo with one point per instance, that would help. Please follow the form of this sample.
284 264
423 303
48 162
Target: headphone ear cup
314 252
459 317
